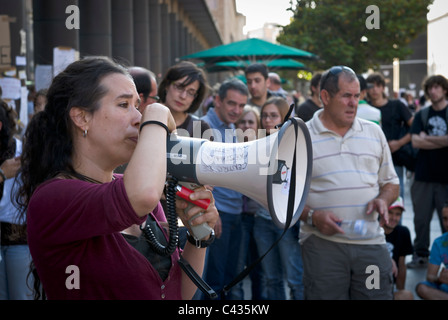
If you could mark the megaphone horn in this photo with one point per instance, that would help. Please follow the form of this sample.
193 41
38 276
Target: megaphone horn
260 169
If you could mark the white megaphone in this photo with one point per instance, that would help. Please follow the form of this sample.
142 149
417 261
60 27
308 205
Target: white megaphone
261 169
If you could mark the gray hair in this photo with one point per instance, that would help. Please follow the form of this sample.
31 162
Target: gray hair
232 84
330 78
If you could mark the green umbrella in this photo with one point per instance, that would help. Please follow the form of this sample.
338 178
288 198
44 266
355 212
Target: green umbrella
250 49
276 64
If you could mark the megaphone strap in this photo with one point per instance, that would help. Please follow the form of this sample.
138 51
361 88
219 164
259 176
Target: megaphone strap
290 212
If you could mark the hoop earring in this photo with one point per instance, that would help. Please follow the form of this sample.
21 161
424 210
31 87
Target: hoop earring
85 133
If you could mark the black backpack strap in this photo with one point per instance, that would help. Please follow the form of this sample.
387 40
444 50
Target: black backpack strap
290 213
424 113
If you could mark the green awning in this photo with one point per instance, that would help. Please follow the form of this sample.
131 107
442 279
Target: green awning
249 49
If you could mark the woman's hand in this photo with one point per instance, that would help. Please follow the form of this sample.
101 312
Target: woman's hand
10 167
159 112
210 215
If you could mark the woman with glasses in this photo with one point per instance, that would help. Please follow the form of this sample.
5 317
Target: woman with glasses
284 262
182 90
273 112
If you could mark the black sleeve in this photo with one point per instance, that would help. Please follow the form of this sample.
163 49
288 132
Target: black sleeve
417 126
405 113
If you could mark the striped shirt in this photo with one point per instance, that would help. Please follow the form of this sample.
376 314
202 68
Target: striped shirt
348 172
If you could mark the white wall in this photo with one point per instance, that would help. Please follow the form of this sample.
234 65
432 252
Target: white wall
437 39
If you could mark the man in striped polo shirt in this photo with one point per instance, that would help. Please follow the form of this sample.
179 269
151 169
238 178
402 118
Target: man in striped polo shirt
353 183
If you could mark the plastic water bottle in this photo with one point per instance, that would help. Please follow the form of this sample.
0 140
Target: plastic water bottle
359 229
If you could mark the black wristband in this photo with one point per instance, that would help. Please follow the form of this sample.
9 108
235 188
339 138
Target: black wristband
155 122
201 243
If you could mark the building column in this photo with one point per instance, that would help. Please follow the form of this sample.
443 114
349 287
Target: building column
50 30
155 37
123 31
166 44
141 33
95 34
182 39
175 39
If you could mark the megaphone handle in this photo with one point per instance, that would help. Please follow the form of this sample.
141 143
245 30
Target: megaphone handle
172 225
184 193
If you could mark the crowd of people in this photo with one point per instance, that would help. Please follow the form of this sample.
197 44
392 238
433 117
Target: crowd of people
85 187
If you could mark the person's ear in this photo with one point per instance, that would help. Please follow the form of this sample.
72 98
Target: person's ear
80 118
218 101
325 96
143 102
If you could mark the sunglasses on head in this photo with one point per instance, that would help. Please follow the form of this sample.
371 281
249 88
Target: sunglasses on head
335 71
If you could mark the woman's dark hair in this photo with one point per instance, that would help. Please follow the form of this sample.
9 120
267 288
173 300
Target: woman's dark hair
48 142
7 132
193 73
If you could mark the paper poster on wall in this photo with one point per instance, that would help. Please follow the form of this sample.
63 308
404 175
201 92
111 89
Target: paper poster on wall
62 57
11 88
43 76
20 61
24 105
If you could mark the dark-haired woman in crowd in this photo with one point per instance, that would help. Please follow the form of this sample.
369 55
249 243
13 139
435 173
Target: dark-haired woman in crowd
182 90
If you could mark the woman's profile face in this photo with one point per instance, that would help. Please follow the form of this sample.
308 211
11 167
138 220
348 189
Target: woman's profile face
113 128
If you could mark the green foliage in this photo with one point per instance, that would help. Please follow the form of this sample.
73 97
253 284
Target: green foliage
333 30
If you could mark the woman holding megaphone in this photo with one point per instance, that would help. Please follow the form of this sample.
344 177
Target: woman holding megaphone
76 206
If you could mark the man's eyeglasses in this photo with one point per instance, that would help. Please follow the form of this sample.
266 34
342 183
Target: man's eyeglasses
335 71
181 89
155 98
